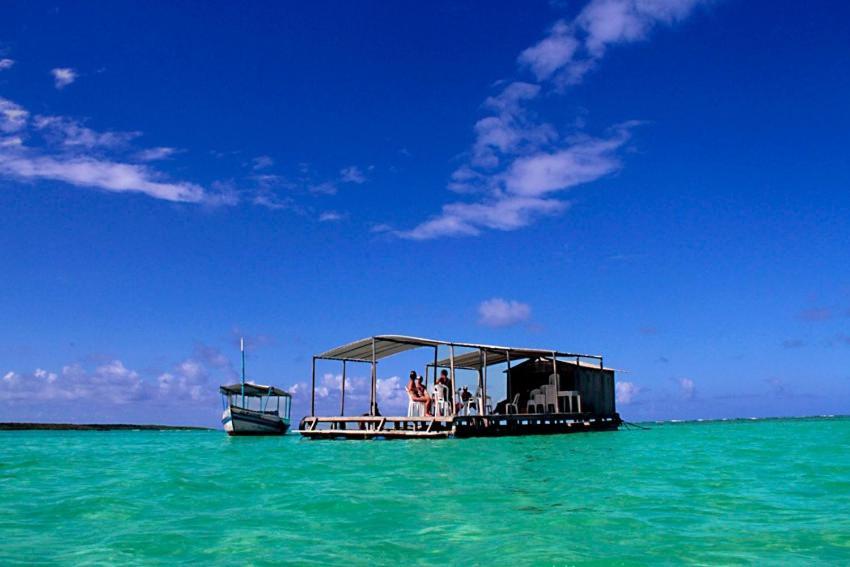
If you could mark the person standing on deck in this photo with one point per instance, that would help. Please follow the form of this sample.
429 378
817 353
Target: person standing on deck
443 380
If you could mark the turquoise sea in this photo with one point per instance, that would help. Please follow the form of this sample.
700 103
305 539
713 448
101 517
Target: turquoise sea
735 492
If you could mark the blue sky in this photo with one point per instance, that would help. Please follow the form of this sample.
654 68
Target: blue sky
661 182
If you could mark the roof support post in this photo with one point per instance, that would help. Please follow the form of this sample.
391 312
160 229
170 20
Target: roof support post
509 385
342 393
436 353
452 366
313 391
557 380
480 386
374 392
484 391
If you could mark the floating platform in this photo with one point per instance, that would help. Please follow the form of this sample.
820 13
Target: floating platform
400 427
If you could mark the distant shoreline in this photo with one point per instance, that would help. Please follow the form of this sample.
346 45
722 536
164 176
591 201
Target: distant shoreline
23 426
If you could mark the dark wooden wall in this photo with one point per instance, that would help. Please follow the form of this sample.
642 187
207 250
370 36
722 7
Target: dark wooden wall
595 385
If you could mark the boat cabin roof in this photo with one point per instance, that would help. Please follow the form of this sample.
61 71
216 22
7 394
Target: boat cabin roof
475 360
388 345
253 390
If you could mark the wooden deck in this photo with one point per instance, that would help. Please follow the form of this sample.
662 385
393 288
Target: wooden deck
402 427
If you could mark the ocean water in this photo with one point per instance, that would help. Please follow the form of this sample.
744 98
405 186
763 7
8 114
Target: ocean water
738 492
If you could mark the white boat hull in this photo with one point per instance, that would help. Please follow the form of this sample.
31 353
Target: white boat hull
237 421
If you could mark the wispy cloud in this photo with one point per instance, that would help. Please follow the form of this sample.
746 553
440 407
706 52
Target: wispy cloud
352 174
323 188
63 76
68 155
13 117
156 154
571 48
68 132
262 162
498 312
518 162
99 174
6 63
525 190
331 216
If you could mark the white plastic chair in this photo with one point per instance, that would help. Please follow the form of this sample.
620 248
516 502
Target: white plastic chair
469 406
485 406
415 409
540 402
550 393
441 402
513 404
533 400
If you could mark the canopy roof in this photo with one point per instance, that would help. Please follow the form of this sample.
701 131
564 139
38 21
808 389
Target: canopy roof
388 345
385 345
253 390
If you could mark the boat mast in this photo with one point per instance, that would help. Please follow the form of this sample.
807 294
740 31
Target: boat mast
242 348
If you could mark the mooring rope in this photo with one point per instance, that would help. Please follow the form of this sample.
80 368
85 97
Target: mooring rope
635 425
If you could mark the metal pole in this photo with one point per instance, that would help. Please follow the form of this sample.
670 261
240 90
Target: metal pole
484 397
452 366
557 381
242 348
510 386
374 392
313 391
342 393
436 348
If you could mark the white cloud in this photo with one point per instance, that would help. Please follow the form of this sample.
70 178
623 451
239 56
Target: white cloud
187 380
521 193
6 63
69 132
112 382
13 117
517 161
331 216
155 154
194 379
63 76
75 154
97 173
570 49
600 24
626 392
498 312
352 174
390 393
325 188
270 200
552 52
497 213
262 162
581 162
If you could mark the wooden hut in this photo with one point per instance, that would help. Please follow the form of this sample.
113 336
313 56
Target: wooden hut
595 385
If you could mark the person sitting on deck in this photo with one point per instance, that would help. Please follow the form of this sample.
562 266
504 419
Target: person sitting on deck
443 380
417 392
465 396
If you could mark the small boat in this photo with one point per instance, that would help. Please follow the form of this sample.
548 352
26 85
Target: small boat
254 409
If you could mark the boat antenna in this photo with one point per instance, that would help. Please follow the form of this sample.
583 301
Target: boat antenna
242 348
